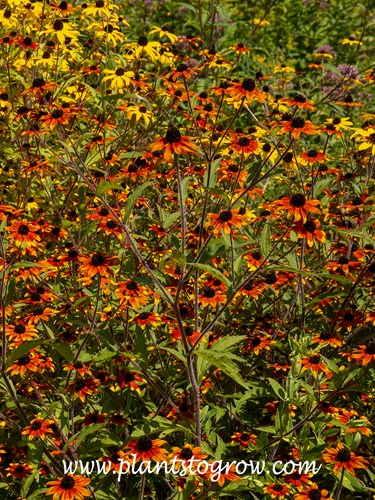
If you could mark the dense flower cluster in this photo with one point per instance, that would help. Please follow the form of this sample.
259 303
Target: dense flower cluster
187 258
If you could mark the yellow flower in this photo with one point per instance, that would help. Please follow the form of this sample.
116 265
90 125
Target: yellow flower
350 41
119 77
61 30
366 138
108 30
163 32
139 112
100 8
340 123
144 47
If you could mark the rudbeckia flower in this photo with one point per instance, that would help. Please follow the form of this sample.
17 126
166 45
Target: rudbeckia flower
38 428
147 449
310 231
173 143
297 205
297 126
69 487
277 490
343 458
225 221
119 77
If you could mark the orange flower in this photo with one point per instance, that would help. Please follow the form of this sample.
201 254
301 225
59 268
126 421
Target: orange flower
297 205
147 318
298 126
364 353
225 220
24 232
312 156
129 292
21 332
343 458
314 363
173 143
38 86
211 297
127 379
226 476
256 343
277 490
310 230
96 264
69 488
19 470
57 116
25 363
246 90
38 428
147 449
313 492
329 338
185 454
245 145
299 101
244 438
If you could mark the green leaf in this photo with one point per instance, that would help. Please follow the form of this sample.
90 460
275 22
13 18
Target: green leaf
213 271
223 362
277 389
265 239
105 186
65 351
133 198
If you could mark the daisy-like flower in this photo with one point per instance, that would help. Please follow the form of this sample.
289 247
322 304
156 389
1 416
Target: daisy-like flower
39 86
299 101
164 31
84 387
312 156
365 353
243 438
127 379
225 221
21 332
310 231
366 139
147 318
313 493
147 449
277 490
57 116
24 232
96 264
118 77
328 338
228 475
297 126
63 8
62 30
38 428
18 470
314 362
246 90
143 47
343 458
101 8
78 367
139 113
25 363
256 344
297 205
245 145
341 124
69 487
211 296
130 292
350 41
173 143
185 454
240 48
